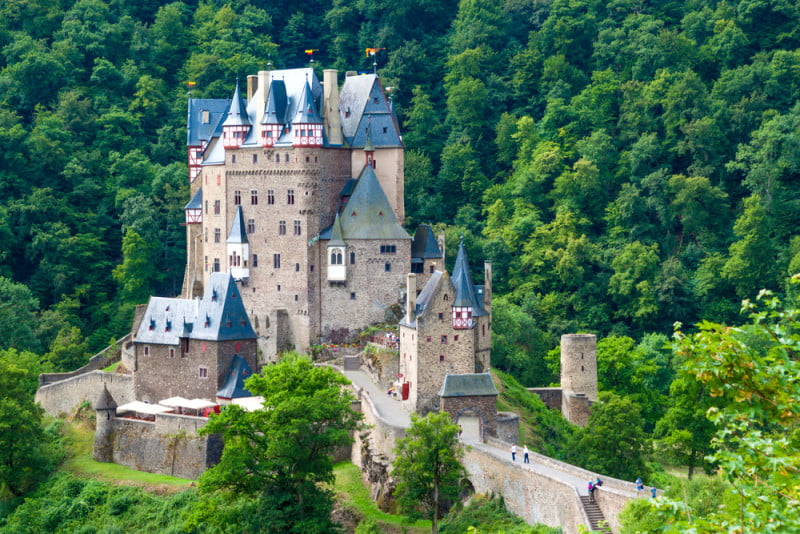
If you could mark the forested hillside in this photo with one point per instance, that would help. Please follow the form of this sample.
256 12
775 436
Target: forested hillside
625 164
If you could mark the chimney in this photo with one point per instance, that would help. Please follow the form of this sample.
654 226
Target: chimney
411 297
333 121
252 86
487 286
260 92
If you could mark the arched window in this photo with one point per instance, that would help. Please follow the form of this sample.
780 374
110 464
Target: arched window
336 256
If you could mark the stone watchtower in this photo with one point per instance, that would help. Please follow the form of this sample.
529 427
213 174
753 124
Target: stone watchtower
578 376
105 409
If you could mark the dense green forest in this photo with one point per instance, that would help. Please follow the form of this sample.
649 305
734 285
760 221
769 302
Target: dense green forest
627 165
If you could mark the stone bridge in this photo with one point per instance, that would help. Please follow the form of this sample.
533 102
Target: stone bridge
544 491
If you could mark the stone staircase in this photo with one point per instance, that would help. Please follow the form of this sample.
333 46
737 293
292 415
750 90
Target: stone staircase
596 519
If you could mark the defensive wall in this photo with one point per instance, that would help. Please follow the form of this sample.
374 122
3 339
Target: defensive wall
101 360
63 397
548 495
168 446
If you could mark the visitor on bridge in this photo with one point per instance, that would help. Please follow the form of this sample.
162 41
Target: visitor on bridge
525 457
598 482
513 453
639 484
653 491
591 491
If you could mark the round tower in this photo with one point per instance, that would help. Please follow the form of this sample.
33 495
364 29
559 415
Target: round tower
105 409
579 364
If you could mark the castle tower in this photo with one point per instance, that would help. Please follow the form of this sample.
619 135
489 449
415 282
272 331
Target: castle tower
237 126
307 124
578 376
274 119
105 409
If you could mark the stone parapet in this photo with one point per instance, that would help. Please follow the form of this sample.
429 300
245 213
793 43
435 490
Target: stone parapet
64 396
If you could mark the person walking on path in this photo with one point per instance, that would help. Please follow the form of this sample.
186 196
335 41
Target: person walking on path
639 484
653 491
513 453
591 491
525 457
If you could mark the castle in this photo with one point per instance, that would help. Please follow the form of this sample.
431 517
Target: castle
297 192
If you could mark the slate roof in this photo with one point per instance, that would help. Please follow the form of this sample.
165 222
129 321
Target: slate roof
105 401
425 244
462 281
424 298
198 132
306 109
238 372
238 230
362 106
197 201
237 113
469 385
218 316
368 214
336 239
275 111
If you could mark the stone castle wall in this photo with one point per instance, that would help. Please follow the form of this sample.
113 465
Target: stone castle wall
168 446
64 396
484 408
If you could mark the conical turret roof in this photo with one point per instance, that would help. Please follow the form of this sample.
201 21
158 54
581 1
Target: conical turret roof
277 101
306 111
238 233
237 112
462 281
336 233
105 401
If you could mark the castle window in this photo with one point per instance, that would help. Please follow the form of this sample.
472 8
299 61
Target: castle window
279 287
311 268
146 351
352 258
428 339
216 265
205 238
441 357
233 160
290 196
336 257
375 100
387 267
308 159
255 261
277 158
446 298
168 327
388 249
431 269
297 267
251 226
239 343
152 324
296 298
217 207
286 157
171 352
282 228
270 197
483 330
237 198
255 158
206 207
217 235
202 372
441 316
276 262
214 295
444 340
206 259
352 296
254 197
302 133
385 129
185 345
297 228
219 178
417 268
455 338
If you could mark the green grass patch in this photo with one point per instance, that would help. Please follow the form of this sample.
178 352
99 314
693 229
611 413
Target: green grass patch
79 439
351 490
113 367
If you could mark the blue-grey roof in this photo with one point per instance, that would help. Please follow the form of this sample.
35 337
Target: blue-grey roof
238 231
469 385
197 201
237 112
336 239
218 316
363 105
368 214
424 298
306 109
238 372
198 131
462 281
425 244
275 111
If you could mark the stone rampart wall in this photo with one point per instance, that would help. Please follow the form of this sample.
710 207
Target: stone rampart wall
551 397
536 497
64 396
168 446
101 360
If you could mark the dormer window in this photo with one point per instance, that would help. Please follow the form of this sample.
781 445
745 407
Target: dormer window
168 327
152 324
214 295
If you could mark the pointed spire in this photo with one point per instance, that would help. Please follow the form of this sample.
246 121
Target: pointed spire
105 401
465 290
238 233
306 111
237 113
337 237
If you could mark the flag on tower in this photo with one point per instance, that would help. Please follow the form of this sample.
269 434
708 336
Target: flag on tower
371 51
311 51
